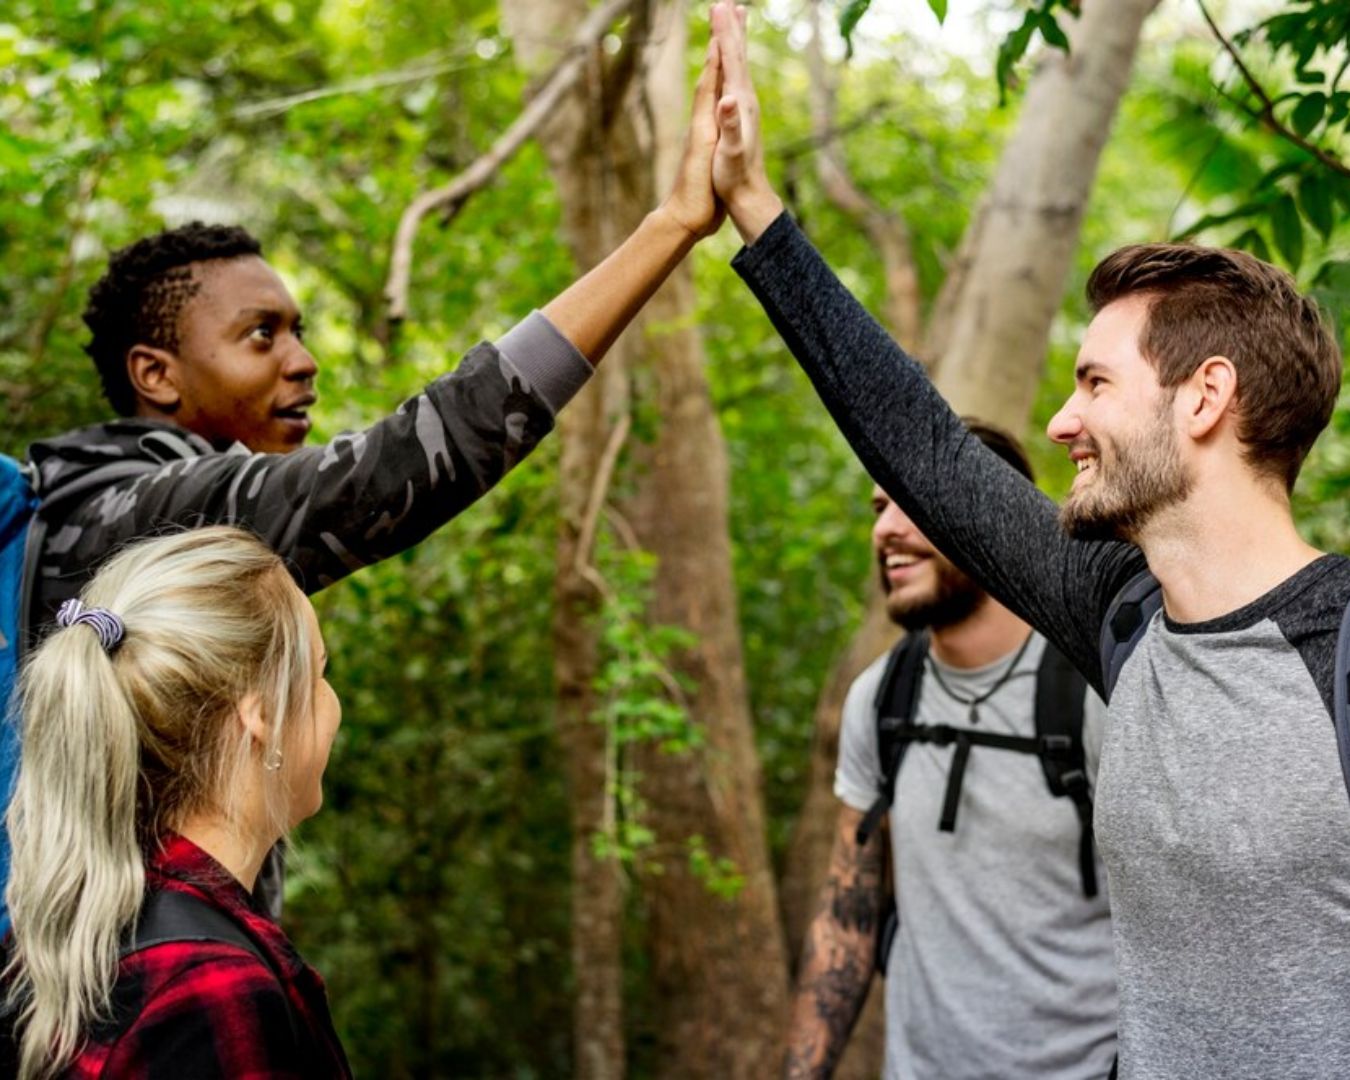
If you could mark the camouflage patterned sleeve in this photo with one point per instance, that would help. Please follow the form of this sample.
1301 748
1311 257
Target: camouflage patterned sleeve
330 510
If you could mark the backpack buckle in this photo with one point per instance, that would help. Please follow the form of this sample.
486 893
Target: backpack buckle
1074 781
1056 746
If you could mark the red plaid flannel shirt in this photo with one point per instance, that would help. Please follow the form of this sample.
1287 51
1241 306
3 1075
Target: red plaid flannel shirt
203 1009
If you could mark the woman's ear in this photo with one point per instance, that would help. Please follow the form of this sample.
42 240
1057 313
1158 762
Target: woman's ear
250 715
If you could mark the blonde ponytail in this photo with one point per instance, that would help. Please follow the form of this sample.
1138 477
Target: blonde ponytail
119 746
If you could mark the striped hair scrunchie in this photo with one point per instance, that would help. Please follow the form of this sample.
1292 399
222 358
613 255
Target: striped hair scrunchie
104 623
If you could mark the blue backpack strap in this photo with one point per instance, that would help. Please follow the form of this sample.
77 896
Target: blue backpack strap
1126 620
1340 696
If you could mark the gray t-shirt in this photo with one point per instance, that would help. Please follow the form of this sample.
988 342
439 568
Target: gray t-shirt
1223 815
1222 812
1001 967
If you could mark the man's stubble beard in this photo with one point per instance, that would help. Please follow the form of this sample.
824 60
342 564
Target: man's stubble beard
955 598
1146 475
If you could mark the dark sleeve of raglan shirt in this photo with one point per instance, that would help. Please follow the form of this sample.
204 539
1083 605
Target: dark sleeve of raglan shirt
971 504
330 510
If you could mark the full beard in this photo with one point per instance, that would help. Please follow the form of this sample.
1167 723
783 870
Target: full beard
1146 475
954 598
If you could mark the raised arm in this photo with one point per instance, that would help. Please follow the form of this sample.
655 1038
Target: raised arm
968 502
329 510
838 953
593 312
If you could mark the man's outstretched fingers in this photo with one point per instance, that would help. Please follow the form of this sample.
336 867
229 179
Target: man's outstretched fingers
728 30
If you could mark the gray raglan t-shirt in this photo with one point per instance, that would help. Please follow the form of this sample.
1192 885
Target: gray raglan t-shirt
1222 812
1001 966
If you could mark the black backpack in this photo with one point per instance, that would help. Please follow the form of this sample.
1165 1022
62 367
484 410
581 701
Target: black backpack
168 915
165 916
1058 743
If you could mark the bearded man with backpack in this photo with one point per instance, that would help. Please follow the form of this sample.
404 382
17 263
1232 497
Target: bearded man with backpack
968 744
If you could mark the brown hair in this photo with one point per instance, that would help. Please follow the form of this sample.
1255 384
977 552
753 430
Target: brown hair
1207 302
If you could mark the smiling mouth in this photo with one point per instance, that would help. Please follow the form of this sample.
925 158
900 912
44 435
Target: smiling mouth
897 566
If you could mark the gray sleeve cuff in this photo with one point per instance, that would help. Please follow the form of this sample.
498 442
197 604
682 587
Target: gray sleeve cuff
547 362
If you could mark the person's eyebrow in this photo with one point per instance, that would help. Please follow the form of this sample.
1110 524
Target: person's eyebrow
278 314
1086 368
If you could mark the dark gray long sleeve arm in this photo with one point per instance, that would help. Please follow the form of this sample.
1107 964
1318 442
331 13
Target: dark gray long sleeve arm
972 505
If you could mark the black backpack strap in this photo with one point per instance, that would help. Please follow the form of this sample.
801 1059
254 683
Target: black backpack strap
893 707
168 915
1340 695
1059 731
1126 620
32 551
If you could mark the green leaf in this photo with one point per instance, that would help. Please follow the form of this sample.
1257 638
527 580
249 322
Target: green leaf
1209 221
1014 47
1254 242
939 9
1314 199
853 11
1287 228
1308 112
1053 32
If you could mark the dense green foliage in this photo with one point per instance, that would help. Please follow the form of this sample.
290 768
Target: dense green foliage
432 891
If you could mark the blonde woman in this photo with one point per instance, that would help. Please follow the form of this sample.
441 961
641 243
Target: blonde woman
174 728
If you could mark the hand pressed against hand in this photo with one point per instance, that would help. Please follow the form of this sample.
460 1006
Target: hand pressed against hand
691 201
738 174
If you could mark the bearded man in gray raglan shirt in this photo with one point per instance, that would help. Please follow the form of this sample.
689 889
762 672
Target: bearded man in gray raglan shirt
1221 812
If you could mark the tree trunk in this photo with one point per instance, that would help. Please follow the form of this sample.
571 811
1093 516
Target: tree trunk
601 204
986 344
718 961
990 327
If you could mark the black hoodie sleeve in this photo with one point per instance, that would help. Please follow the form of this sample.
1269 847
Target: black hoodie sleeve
330 510
973 506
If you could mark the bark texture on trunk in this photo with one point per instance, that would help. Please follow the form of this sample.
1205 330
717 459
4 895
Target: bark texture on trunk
718 962
985 344
593 165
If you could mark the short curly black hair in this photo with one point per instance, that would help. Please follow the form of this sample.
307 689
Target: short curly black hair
140 297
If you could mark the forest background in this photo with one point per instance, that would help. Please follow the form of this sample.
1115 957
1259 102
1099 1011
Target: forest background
574 814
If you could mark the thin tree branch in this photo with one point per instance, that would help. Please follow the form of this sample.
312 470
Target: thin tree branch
452 196
595 498
810 143
887 231
276 106
1266 114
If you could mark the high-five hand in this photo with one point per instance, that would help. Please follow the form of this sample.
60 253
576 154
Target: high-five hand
691 201
738 163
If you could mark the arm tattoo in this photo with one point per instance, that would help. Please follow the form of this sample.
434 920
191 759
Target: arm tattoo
837 956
